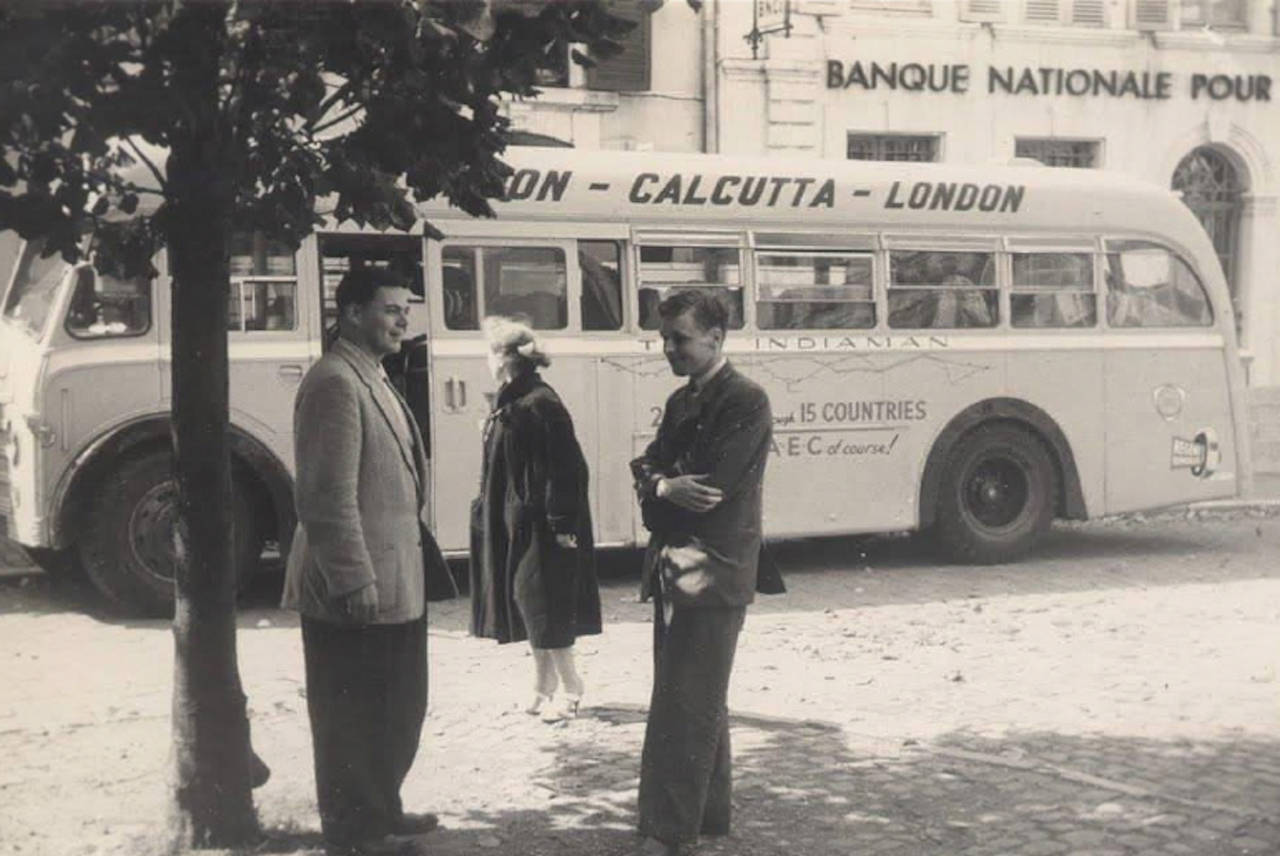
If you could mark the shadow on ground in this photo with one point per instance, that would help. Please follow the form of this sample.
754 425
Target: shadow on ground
809 788
1171 549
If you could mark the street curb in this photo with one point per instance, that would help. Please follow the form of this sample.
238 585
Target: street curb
1233 504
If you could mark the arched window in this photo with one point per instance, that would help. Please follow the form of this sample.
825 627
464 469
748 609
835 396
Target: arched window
1212 189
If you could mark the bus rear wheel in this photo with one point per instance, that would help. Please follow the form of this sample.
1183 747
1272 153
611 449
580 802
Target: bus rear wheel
998 495
128 544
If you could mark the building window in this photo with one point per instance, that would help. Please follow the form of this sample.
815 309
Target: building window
1229 14
1071 13
904 7
1072 153
1213 191
628 70
893 147
625 71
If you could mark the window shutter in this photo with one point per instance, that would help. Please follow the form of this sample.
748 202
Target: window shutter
629 70
1091 13
1152 15
1042 11
982 10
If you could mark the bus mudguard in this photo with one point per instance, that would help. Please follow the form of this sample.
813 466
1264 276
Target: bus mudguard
1071 503
121 440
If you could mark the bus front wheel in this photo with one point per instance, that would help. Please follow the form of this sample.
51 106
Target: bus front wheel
127 548
998 495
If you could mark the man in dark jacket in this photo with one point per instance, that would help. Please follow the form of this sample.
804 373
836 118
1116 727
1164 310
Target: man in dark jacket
699 483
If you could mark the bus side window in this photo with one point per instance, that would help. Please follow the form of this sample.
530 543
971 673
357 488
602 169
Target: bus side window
264 284
814 290
666 269
1149 286
942 290
527 282
458 275
103 306
601 265
1053 290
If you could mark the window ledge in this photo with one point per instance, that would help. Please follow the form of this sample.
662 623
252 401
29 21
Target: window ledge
572 98
1217 40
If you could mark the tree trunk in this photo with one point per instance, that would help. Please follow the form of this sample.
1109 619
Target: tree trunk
211 802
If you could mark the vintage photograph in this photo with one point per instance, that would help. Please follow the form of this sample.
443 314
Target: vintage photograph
640 427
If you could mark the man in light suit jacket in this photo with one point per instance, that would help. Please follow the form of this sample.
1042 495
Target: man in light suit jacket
357 572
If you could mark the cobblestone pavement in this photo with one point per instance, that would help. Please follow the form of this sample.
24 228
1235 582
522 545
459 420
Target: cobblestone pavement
1116 695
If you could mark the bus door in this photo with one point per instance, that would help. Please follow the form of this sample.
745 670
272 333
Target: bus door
535 279
1170 431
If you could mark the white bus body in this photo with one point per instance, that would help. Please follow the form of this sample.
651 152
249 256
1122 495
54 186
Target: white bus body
972 350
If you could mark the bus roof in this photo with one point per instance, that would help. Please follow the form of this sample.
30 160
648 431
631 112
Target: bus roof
683 190
651 188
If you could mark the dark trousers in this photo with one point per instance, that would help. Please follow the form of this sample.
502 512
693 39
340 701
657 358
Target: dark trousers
367 697
686 774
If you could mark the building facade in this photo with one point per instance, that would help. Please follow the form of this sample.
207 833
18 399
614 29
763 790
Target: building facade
1181 93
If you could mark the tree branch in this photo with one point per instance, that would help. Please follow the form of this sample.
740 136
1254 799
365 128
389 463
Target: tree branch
146 160
327 104
337 120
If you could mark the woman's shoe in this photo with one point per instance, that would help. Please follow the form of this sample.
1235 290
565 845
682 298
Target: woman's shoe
567 709
540 704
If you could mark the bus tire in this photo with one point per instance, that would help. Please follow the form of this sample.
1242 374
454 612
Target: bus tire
997 495
127 547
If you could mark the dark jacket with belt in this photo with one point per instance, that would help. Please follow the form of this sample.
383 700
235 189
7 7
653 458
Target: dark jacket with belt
709 559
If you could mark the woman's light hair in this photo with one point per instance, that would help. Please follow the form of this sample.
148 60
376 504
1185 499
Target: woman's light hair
515 340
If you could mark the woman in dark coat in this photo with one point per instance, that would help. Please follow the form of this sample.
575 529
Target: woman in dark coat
532 552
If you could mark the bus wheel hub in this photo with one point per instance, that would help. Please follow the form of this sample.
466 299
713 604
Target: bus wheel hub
151 530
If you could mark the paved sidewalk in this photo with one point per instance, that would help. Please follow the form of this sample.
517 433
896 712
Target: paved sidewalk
1116 696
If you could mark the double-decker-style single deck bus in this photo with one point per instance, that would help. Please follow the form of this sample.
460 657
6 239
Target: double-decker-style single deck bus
968 351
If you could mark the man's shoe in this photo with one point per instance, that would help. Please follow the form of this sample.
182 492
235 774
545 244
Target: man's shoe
387 845
415 823
655 847
259 772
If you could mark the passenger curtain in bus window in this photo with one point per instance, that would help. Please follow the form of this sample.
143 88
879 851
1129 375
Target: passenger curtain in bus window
458 272
1053 290
530 283
262 305
929 289
1149 286
664 270
254 254
814 291
601 265
104 307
